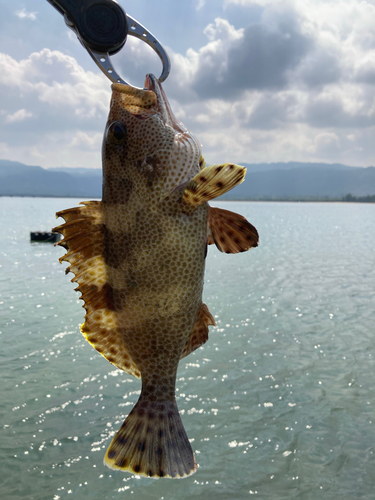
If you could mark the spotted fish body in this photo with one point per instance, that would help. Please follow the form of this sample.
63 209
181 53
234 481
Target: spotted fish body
138 257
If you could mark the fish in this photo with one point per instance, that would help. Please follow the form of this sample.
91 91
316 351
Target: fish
138 256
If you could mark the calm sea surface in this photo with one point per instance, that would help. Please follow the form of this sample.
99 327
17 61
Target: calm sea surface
278 404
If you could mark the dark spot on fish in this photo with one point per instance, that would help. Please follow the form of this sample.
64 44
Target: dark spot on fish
113 350
121 440
193 187
93 340
202 179
230 167
123 462
117 247
151 388
127 365
170 414
161 433
151 415
161 407
116 191
150 473
137 468
222 239
161 473
181 434
236 240
111 359
142 446
218 169
219 184
111 454
159 451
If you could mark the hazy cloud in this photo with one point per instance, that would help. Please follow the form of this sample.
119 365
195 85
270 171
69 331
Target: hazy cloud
23 14
18 116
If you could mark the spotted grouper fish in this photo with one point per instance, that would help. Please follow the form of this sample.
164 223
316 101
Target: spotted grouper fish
139 256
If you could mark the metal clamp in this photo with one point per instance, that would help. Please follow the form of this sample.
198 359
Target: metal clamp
102 27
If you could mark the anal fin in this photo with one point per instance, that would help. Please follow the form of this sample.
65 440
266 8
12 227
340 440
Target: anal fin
199 333
211 182
231 232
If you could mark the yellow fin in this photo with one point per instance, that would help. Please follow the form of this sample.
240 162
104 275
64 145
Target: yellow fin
231 232
199 333
211 182
83 238
152 442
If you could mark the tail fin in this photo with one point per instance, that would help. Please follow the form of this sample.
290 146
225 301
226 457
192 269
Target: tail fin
152 442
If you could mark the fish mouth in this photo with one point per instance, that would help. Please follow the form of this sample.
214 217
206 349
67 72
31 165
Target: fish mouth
163 106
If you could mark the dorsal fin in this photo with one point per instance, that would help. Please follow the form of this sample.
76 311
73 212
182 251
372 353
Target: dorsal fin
84 240
231 232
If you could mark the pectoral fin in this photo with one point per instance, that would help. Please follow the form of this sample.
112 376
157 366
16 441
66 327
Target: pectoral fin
83 233
199 333
211 182
231 232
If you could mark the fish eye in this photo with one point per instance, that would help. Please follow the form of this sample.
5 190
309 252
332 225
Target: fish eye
116 132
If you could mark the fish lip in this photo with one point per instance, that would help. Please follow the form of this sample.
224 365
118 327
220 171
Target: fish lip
152 83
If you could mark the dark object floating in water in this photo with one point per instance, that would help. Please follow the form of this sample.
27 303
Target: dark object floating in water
45 237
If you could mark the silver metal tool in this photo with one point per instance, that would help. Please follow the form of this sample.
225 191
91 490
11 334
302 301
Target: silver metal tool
102 27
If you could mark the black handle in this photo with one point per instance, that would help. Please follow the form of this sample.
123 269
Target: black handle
102 24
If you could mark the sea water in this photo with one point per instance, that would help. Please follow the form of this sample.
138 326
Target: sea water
279 404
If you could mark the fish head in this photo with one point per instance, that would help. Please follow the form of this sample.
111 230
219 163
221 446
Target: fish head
144 140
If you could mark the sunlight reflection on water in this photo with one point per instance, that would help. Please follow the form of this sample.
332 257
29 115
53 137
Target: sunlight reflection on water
279 403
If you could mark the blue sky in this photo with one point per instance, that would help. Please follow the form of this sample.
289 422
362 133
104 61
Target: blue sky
255 80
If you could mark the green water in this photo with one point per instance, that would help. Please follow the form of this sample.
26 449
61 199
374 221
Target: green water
279 404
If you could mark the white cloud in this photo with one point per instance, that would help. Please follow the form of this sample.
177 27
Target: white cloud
296 85
18 116
68 105
199 4
82 139
23 14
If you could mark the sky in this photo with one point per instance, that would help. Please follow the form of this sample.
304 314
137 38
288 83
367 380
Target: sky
255 80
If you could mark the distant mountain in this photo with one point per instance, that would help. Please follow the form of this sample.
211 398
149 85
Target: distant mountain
291 165
78 172
306 181
264 181
17 179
